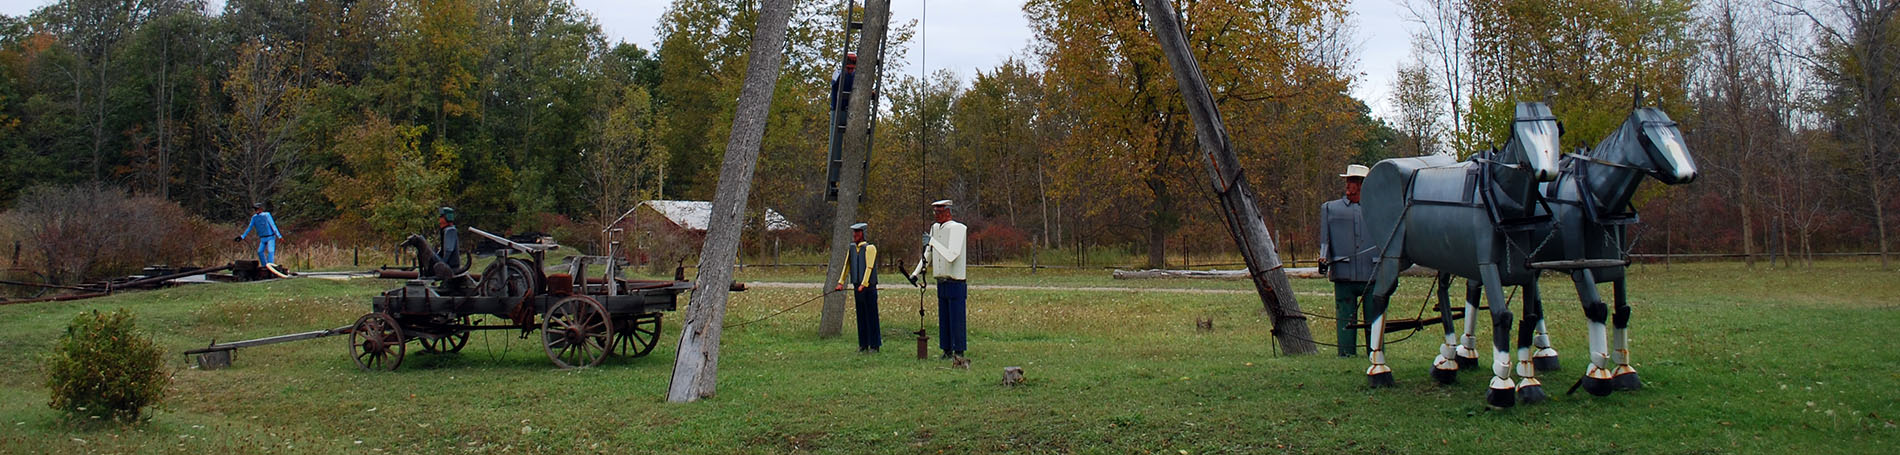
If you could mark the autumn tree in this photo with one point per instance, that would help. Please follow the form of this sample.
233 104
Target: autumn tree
993 143
1589 59
257 141
624 162
1442 42
1135 144
1857 61
1739 127
388 185
1418 105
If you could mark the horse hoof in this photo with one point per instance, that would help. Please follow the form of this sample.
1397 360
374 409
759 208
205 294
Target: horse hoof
1500 398
1626 382
1531 394
1380 380
1445 376
1598 387
1546 364
1466 362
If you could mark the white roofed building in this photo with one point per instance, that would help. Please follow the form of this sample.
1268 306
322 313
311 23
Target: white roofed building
670 232
695 215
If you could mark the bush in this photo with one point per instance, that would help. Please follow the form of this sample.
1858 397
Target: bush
82 232
998 241
103 368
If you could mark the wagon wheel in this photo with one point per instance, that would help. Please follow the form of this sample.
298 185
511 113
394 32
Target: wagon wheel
635 337
451 343
376 342
576 332
520 280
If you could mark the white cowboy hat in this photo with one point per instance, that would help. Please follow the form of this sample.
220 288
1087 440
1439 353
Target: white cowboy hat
1355 170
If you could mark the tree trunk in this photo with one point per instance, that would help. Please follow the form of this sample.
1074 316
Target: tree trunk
877 13
1748 224
1880 218
1245 222
1158 213
696 366
1042 194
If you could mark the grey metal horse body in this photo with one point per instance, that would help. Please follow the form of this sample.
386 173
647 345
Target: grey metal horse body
1592 209
1472 219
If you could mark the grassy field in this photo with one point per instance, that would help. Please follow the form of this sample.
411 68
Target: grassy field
1736 361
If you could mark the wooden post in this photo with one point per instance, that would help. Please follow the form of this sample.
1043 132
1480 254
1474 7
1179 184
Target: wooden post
1035 252
696 366
877 14
1245 222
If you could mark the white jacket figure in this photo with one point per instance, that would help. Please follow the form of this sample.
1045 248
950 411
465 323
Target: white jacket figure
944 252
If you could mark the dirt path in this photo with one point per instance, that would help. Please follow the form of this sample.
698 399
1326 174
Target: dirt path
1006 287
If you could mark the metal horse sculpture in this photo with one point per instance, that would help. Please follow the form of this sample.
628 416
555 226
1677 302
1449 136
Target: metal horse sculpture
1591 204
1473 219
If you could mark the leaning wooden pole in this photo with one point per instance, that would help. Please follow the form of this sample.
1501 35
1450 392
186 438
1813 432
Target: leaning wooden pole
1245 222
857 135
696 366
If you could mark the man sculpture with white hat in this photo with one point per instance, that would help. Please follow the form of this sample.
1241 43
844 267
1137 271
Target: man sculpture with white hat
1346 254
944 252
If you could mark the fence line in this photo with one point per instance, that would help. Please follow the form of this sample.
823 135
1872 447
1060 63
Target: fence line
1298 262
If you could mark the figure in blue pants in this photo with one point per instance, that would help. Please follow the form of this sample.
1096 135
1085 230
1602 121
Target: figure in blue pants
860 273
944 248
266 229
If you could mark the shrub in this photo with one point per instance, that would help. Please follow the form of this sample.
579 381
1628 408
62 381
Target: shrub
569 233
103 368
998 241
83 232
667 247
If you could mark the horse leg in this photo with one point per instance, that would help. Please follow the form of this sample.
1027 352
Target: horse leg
1445 367
1503 393
1623 377
1529 389
1384 282
1546 357
1596 378
1466 350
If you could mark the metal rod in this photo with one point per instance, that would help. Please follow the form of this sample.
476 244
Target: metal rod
61 298
522 247
174 276
53 286
272 340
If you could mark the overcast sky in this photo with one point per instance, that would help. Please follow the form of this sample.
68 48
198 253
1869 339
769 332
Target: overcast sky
967 35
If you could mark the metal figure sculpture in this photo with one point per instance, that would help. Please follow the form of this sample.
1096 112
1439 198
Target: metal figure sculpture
1591 204
1475 219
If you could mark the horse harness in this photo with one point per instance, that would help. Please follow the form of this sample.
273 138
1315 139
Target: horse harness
1488 199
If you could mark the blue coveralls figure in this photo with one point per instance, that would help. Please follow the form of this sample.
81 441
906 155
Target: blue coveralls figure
860 273
450 238
944 246
840 105
266 229
1346 255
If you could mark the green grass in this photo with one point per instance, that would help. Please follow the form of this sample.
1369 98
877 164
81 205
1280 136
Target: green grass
1736 361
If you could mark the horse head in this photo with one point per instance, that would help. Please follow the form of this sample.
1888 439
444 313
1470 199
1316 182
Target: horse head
1534 141
1667 157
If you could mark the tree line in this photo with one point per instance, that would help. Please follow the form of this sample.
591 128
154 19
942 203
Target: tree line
1788 105
355 118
